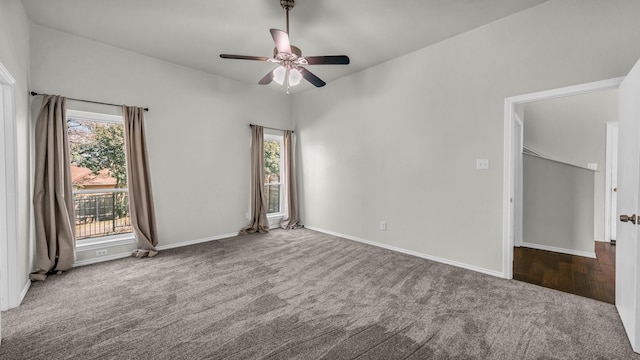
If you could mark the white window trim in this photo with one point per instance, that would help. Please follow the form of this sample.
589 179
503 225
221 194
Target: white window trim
102 242
92 116
275 215
108 241
279 138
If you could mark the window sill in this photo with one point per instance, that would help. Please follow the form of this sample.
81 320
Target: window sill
275 215
274 220
105 242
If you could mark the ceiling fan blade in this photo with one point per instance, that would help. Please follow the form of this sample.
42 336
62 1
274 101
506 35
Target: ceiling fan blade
310 77
244 57
266 80
281 38
328 60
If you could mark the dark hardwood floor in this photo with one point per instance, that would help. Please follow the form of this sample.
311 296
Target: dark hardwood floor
592 278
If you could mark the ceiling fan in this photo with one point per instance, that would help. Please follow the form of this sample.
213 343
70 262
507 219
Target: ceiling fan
289 58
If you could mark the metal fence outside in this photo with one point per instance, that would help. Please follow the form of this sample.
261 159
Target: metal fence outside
101 212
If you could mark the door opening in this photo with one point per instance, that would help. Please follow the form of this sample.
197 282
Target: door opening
563 191
513 159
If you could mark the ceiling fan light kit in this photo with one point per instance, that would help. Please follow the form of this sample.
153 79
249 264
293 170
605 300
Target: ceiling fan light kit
290 70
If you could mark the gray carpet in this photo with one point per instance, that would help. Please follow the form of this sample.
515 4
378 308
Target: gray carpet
301 295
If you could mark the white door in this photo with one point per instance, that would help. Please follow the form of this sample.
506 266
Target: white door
628 233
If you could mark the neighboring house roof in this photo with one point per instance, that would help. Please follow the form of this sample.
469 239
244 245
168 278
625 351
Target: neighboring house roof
81 176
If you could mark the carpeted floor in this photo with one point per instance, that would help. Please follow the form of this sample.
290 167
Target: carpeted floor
302 295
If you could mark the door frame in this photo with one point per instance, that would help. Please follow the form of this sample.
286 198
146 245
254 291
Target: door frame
518 144
610 146
10 289
509 176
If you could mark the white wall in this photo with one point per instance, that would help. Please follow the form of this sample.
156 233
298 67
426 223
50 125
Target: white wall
399 141
197 127
14 55
558 207
573 129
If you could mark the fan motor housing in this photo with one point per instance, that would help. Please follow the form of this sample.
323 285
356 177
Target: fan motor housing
287 4
294 51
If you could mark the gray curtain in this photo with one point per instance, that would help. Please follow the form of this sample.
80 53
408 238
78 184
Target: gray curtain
291 219
143 218
52 191
259 221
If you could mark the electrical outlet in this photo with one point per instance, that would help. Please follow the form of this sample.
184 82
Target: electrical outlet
383 225
592 166
482 164
102 252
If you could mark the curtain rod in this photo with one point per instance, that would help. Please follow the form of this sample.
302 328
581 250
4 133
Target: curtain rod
33 93
266 127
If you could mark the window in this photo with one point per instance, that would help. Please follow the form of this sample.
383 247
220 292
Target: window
99 174
273 179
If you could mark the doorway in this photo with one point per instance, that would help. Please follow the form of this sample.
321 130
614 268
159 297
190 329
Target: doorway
513 198
564 195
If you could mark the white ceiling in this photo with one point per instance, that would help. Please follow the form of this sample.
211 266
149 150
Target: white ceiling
193 33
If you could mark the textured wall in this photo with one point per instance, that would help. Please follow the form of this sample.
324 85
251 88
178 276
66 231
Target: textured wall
197 127
558 206
399 141
14 55
573 129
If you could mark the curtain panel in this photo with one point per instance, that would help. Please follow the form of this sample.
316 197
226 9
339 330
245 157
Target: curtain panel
143 219
53 192
291 219
259 221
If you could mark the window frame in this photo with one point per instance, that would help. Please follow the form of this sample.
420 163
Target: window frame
280 139
100 242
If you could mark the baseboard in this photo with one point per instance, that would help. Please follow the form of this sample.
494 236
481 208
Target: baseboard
412 253
560 250
24 291
197 241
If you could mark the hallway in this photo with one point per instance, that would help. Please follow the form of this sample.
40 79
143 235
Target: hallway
592 278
